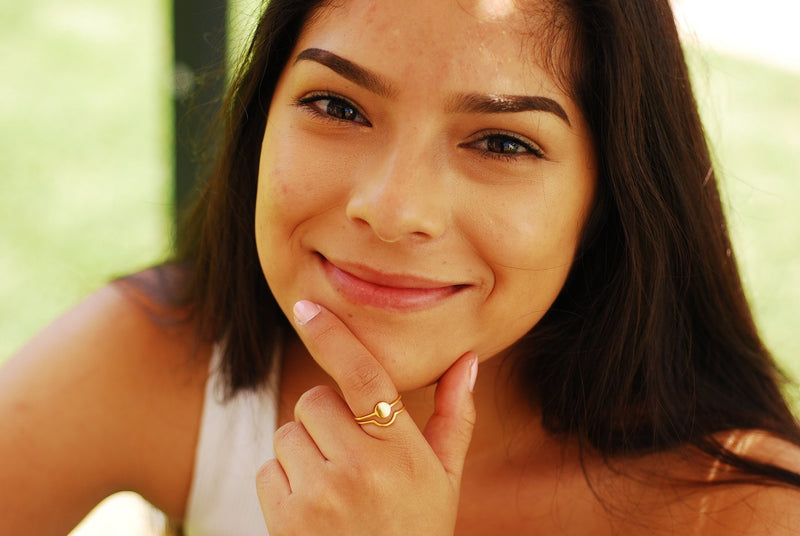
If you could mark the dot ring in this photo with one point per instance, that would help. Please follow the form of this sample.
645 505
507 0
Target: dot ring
384 413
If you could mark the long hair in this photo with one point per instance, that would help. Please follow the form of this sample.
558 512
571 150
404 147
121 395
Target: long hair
221 283
650 344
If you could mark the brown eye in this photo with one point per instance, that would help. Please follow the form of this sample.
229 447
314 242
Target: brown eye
341 110
333 107
504 145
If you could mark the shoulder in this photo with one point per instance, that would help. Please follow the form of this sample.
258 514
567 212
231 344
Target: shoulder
751 510
683 492
104 399
755 509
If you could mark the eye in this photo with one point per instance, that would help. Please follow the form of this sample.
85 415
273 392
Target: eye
333 107
505 146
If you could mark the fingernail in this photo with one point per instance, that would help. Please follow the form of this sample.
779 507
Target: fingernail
473 373
305 311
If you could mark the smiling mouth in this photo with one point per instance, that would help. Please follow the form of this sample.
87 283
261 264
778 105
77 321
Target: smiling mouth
392 292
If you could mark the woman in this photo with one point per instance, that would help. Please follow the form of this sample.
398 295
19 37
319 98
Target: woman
425 189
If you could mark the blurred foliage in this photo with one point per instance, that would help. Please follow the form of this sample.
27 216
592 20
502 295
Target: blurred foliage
84 152
752 117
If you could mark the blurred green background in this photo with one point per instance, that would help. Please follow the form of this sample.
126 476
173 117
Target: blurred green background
85 161
84 152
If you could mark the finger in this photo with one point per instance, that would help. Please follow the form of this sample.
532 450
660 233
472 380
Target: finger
296 452
449 430
272 485
361 378
328 421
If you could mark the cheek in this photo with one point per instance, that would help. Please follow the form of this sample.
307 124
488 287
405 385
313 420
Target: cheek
279 179
278 188
527 233
529 242
301 175
289 186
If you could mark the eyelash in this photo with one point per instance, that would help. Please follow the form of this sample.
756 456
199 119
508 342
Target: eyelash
529 148
308 103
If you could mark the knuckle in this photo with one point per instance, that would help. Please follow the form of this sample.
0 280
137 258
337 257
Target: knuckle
287 433
266 474
463 434
314 400
373 482
470 416
325 336
365 377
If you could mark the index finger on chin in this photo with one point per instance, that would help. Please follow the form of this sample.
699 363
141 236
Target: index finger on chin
362 379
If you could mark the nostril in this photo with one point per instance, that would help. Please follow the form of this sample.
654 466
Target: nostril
396 208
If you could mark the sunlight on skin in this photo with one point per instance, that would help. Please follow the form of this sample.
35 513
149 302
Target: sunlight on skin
495 9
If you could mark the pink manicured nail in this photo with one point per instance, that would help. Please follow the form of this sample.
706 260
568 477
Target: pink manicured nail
305 311
473 373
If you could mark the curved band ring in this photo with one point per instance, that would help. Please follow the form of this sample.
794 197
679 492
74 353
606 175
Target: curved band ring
384 411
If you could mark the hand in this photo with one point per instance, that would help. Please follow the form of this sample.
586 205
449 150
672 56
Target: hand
334 476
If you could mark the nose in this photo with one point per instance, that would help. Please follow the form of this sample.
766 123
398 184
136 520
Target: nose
401 197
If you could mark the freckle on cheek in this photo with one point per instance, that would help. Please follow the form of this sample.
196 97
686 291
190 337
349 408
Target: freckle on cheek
280 185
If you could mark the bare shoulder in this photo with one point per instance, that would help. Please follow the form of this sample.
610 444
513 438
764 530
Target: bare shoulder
757 509
754 511
104 399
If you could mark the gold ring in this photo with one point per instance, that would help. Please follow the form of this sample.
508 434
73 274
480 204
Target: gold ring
384 411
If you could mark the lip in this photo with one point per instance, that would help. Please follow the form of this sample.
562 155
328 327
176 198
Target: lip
396 292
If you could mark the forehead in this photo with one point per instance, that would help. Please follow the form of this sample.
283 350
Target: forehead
485 45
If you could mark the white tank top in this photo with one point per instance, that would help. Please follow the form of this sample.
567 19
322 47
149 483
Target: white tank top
235 439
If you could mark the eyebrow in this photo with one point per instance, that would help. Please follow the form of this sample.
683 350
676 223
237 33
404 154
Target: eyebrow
460 103
356 74
498 104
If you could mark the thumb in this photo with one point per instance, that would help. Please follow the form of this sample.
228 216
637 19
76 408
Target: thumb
449 430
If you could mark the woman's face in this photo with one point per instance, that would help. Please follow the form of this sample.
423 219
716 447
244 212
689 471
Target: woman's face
422 178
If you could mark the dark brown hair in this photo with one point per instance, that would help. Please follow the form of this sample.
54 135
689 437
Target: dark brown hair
650 345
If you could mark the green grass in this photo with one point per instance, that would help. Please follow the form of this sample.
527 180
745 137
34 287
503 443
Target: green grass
85 163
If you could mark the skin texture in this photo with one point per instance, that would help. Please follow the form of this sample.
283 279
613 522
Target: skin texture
373 178
103 400
409 188
333 476
369 170
108 399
